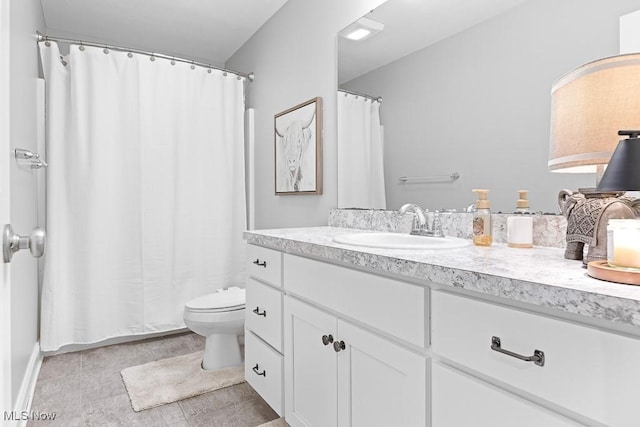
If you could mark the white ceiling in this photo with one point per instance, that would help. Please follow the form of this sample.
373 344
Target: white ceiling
411 25
213 30
206 30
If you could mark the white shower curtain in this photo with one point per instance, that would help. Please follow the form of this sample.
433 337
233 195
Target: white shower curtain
360 153
145 192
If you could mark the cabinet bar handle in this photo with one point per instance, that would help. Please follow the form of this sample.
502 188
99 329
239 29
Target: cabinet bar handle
256 369
537 358
327 339
257 311
338 346
260 264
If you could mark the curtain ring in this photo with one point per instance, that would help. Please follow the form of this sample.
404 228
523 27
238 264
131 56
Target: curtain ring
224 74
152 58
173 61
193 67
130 55
47 43
105 50
81 47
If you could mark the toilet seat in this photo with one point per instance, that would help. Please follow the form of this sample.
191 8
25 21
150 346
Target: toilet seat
223 300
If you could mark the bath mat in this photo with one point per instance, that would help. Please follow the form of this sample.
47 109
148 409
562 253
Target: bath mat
169 380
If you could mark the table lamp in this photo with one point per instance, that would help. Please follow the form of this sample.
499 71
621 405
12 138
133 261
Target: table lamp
589 106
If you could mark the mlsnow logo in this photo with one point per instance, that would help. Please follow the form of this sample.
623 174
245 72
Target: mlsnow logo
29 416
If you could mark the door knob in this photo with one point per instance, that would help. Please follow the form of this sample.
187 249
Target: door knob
12 243
338 346
327 339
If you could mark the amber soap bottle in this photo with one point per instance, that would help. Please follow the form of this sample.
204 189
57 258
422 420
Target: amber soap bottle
482 235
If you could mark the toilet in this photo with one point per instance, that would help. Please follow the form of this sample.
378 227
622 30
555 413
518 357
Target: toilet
219 317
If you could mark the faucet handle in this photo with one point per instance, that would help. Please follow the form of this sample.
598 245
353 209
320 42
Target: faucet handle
436 225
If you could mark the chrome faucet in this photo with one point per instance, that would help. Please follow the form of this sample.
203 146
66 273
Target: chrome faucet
425 223
419 221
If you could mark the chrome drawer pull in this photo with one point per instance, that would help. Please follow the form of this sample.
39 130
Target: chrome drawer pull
256 369
327 339
260 264
338 346
257 311
537 358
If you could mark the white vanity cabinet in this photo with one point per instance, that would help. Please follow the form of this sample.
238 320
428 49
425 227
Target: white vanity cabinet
263 325
586 372
375 347
341 368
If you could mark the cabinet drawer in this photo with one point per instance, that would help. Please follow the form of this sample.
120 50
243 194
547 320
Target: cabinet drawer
462 400
265 264
392 306
263 370
586 370
264 312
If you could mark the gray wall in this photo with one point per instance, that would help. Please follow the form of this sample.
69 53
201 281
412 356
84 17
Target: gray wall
26 17
478 103
294 58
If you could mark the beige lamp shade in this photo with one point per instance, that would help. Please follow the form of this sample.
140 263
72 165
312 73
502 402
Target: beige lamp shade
589 105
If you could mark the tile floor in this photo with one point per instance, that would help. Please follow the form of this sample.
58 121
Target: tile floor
85 389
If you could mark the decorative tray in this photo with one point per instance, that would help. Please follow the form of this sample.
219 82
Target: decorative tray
601 270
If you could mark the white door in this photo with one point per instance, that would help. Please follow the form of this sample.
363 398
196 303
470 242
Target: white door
379 383
5 278
310 366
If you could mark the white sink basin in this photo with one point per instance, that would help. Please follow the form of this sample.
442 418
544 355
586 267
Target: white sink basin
400 241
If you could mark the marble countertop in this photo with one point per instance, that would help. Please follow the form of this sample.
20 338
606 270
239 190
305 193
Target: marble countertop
539 276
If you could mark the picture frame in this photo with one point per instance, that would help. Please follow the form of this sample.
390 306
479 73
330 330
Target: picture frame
298 149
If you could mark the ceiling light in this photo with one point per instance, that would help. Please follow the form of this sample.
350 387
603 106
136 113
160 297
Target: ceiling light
362 29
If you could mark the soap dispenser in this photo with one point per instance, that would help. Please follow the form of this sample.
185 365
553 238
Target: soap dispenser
482 220
522 204
520 227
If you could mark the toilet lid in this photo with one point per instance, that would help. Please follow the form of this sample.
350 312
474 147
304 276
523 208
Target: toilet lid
232 298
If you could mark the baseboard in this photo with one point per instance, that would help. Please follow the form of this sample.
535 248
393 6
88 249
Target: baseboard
25 396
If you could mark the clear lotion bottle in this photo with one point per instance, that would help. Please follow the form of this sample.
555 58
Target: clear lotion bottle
482 220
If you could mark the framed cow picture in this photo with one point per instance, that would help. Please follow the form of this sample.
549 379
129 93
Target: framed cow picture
298 149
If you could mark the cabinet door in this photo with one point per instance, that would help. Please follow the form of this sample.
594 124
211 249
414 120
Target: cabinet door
379 382
462 400
310 366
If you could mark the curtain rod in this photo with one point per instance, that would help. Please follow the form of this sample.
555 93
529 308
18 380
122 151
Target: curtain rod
364 95
43 38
